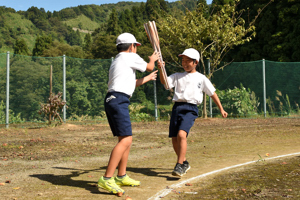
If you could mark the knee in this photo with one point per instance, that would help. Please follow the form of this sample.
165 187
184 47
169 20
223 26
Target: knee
127 140
182 135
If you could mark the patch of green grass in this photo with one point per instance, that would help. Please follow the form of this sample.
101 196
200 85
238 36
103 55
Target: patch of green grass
86 23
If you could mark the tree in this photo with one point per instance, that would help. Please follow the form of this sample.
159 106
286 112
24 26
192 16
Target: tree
21 47
112 24
213 37
73 37
104 47
127 22
87 42
277 30
41 43
59 49
28 87
155 8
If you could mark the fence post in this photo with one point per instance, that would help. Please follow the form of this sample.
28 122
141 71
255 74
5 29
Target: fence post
64 87
264 87
155 100
7 91
210 101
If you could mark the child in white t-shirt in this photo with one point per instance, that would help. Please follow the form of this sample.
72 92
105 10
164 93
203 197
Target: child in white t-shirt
188 93
121 85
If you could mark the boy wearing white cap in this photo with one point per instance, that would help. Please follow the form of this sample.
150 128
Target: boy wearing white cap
121 85
188 93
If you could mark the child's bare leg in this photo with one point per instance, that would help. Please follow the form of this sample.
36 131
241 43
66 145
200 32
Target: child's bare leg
175 146
124 160
180 145
117 154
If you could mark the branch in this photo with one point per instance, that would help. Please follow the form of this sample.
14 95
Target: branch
259 12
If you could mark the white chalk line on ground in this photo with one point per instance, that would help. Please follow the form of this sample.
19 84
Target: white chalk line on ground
166 191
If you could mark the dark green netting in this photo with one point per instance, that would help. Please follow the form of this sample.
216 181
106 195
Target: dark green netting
86 86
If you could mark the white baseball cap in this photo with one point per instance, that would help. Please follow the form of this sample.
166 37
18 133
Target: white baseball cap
191 53
127 38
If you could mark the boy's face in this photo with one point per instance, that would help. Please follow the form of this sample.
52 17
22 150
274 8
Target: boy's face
188 64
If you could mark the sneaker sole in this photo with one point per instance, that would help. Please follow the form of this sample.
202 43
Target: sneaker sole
187 169
128 185
109 191
176 174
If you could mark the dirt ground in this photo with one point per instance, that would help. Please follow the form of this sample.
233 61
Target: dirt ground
65 162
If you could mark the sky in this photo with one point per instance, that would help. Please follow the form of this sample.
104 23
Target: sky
57 5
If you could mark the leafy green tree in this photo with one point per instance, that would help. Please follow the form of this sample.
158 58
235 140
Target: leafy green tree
73 37
104 47
96 71
112 24
21 47
28 87
39 18
156 8
35 14
67 13
127 22
223 2
213 37
59 49
77 92
87 42
277 30
205 8
41 43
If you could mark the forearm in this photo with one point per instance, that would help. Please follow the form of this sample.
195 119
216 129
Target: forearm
161 77
150 66
216 99
142 81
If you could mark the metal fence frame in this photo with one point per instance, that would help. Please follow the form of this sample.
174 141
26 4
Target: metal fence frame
155 97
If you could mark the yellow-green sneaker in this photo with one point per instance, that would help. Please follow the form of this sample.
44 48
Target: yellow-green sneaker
126 181
109 185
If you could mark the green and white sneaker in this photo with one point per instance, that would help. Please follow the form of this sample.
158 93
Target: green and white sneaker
109 185
127 181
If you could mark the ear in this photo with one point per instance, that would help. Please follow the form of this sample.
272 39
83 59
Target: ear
131 48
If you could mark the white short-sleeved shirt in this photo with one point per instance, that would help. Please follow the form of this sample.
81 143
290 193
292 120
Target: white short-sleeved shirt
122 72
189 87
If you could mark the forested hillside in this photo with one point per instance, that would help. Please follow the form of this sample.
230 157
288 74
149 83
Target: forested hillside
77 28
86 30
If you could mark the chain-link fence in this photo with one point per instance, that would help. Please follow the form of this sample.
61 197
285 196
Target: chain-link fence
275 84
85 85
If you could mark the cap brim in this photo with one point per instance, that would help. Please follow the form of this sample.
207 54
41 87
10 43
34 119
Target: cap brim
137 44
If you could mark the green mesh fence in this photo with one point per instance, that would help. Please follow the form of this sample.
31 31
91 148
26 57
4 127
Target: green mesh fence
86 86
282 83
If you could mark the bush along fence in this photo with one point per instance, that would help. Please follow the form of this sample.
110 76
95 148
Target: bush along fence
245 89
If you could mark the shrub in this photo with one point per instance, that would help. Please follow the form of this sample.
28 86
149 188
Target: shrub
238 101
12 117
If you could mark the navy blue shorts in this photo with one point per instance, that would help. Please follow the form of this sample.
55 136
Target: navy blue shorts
116 109
183 118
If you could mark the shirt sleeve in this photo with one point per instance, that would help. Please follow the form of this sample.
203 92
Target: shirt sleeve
138 63
208 88
171 80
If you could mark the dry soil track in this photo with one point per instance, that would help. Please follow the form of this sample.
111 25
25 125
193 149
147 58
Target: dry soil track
65 162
